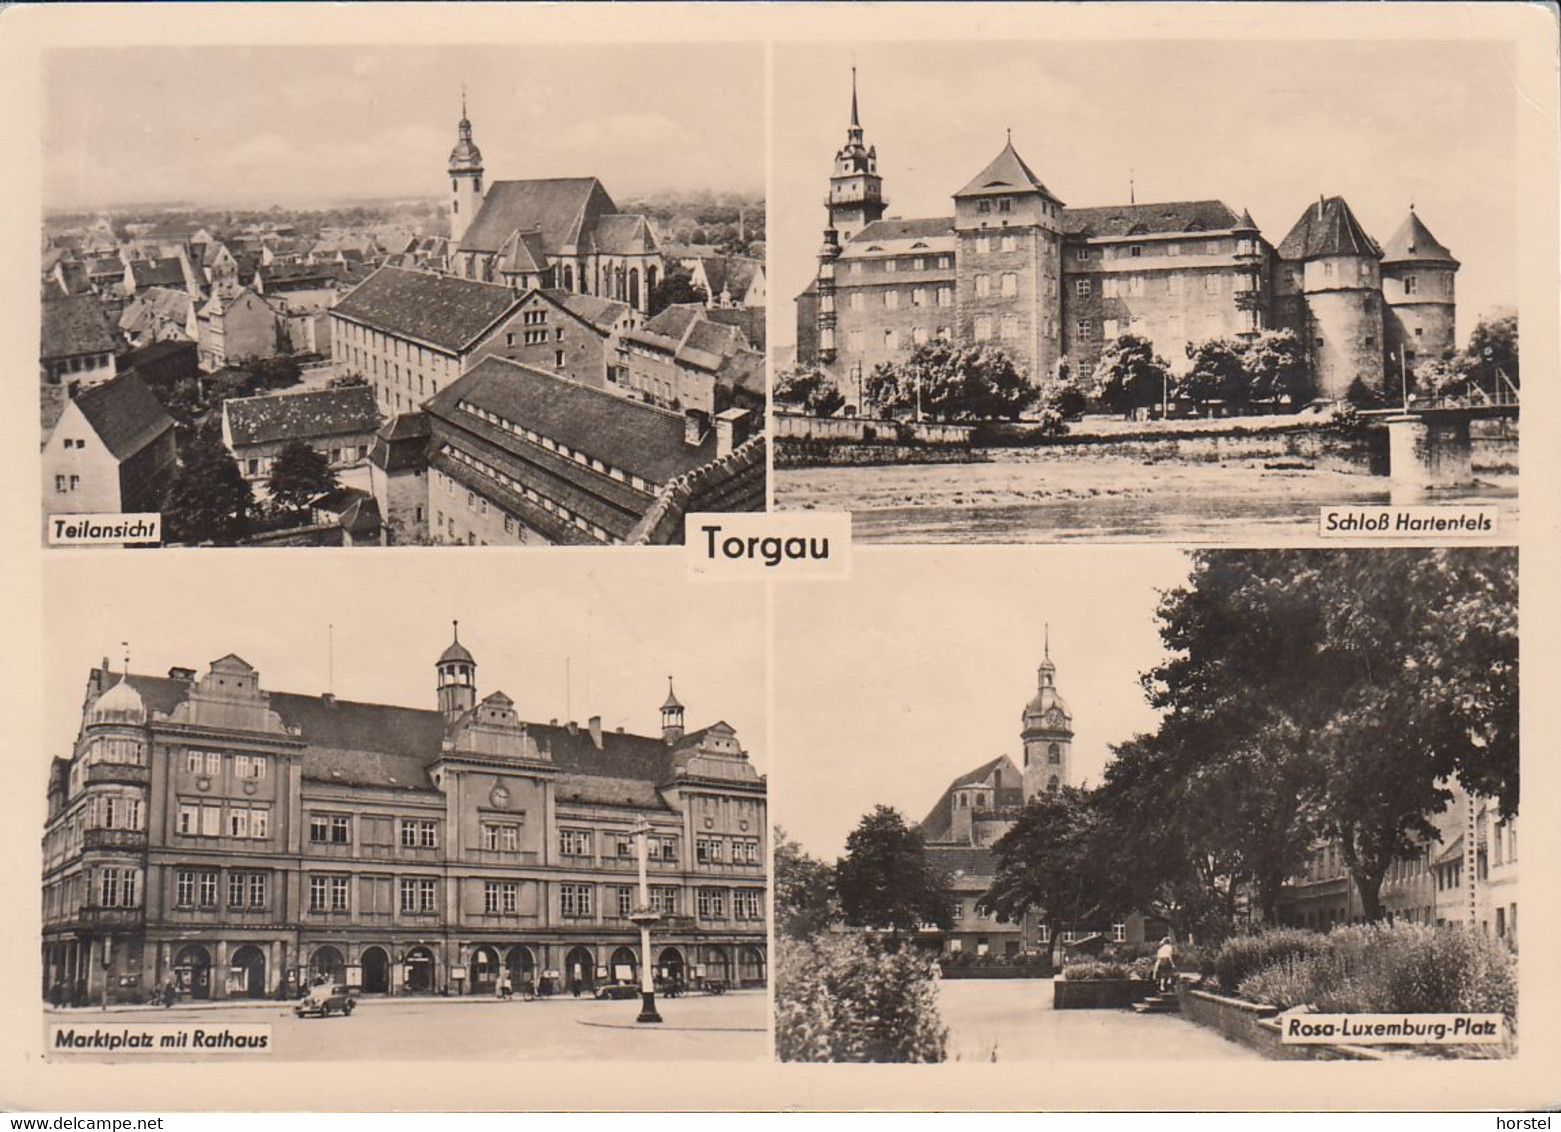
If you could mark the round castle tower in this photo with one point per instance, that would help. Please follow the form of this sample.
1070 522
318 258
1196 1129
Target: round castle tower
1418 287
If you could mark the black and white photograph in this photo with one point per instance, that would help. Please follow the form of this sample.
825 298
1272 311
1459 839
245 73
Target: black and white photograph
402 295
1147 805
536 833
1144 290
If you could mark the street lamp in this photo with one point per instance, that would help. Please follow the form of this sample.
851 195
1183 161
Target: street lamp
643 917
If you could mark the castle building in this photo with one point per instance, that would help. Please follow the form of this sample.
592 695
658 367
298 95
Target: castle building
562 232
1053 285
244 843
981 805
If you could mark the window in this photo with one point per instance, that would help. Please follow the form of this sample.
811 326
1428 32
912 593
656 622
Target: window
1081 288
500 837
747 905
207 884
1081 255
1010 284
558 359
1211 284
891 300
945 296
59 484
1009 242
1084 327
664 849
249 766
574 842
185 889
1008 327
890 266
1053 755
745 852
238 822
574 901
891 339
328 829
419 834
1411 284
983 245
983 328
707 851
1135 250
117 888
983 286
1135 285
235 890
983 206
255 884
211 821
919 335
418 894
1005 205
625 901
1110 287
711 903
189 819
858 302
918 296
490 897
664 899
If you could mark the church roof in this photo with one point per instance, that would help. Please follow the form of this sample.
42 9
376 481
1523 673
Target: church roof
564 210
1327 228
124 414
522 252
441 310
1413 243
935 826
623 234
1007 173
1115 220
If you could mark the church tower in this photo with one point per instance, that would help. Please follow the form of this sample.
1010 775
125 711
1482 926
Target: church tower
465 179
1047 734
457 679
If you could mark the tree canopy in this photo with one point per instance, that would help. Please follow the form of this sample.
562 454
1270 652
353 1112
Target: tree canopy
885 880
673 288
804 890
810 388
299 475
946 381
1130 375
209 500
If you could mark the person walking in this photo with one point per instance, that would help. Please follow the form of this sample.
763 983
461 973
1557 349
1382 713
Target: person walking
1164 966
168 994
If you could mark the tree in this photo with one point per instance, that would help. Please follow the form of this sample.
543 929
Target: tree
1348 688
1130 375
951 382
1066 398
810 388
1048 863
1217 373
804 890
674 288
209 501
1493 350
1277 368
300 475
885 881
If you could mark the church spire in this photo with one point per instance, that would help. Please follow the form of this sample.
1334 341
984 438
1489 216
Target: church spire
856 121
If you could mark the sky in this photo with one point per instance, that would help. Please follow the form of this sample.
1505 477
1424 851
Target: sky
301 125
1265 126
929 660
563 634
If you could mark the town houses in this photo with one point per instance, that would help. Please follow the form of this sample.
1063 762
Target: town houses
231 841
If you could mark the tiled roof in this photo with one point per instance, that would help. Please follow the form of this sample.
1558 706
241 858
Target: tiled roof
735 482
1006 173
361 744
158 362
441 310
301 416
75 325
639 438
935 826
156 305
1413 243
108 265
300 276
1114 220
623 234
523 252
124 414
157 272
964 866
1327 228
402 443
905 230
563 209
603 314
750 320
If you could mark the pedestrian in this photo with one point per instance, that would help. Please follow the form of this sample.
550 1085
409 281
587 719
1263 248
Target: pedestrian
168 994
56 994
574 986
1164 965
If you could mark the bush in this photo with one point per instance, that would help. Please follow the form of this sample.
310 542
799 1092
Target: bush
847 998
1091 970
1243 956
1392 969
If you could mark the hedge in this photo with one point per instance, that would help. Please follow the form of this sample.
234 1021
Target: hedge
1242 956
848 998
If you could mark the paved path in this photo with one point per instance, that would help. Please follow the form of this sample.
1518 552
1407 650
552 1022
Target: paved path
1015 1017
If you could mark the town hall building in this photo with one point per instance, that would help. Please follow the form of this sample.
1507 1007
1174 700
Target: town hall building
238 842
1053 285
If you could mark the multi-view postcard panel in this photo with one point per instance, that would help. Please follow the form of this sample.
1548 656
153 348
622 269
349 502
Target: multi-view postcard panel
1033 303
467 312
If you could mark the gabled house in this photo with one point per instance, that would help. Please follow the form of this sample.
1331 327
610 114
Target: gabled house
112 450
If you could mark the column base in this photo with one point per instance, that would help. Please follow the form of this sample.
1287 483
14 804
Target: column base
648 1012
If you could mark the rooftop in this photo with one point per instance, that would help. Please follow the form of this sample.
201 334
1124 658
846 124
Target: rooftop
75 325
124 414
301 416
440 310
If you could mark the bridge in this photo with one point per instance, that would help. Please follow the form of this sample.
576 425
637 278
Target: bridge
1429 443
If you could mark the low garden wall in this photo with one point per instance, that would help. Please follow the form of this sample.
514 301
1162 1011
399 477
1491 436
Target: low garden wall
949 971
1255 1026
1096 994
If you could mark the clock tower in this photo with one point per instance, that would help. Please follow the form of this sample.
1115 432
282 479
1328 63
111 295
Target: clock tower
1047 734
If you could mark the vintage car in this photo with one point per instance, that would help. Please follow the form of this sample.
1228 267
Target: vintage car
324 1000
618 989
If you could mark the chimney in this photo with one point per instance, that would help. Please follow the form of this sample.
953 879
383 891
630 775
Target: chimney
731 429
572 727
552 723
595 724
618 730
328 699
185 674
693 428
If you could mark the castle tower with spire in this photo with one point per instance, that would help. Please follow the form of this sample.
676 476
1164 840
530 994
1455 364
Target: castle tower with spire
855 188
457 674
1418 288
1047 733
465 178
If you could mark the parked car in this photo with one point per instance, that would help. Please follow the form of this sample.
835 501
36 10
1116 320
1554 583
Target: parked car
618 989
324 1000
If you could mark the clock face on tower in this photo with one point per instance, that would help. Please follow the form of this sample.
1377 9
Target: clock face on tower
1055 718
499 796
